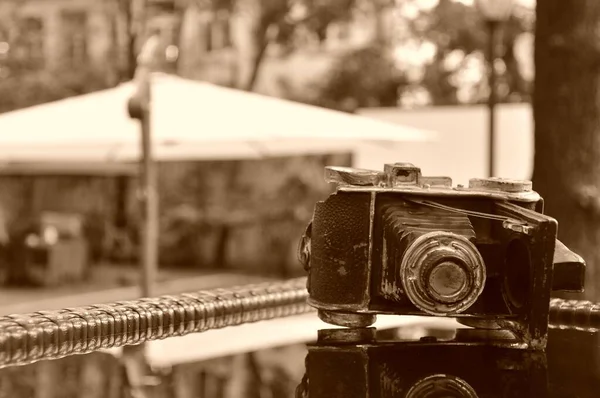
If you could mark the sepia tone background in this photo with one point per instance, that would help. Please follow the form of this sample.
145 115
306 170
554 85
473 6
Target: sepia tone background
422 63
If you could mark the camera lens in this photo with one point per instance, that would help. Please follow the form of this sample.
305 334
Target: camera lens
447 280
442 273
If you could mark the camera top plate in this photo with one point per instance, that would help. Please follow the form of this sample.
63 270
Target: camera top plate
405 178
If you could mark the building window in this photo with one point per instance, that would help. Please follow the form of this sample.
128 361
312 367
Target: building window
221 30
74 26
31 43
4 52
207 34
218 31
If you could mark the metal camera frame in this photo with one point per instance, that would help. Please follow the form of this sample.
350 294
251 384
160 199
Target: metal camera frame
341 259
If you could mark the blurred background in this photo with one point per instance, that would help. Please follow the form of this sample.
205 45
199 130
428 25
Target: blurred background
250 99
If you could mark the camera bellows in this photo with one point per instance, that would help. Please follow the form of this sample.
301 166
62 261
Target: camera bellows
429 259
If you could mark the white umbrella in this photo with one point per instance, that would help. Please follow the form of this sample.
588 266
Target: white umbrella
192 120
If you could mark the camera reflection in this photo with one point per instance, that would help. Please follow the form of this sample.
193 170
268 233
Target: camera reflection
439 361
364 363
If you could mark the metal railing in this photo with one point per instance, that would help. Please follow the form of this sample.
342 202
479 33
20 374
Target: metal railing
575 314
29 338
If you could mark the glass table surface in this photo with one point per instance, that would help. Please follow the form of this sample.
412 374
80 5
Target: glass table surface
426 368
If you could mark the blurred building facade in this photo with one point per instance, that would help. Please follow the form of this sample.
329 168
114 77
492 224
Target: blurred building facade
55 49
206 42
50 35
239 215
212 41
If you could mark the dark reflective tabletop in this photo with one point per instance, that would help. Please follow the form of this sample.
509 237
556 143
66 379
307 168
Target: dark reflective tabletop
573 364
348 363
433 367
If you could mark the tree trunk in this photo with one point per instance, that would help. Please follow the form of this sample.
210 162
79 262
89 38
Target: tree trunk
254 19
133 14
380 28
125 9
566 109
252 48
255 60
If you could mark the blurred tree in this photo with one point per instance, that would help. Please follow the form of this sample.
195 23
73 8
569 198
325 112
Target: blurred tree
321 13
262 22
566 109
453 72
315 16
452 29
366 77
127 11
456 29
363 74
258 21
134 15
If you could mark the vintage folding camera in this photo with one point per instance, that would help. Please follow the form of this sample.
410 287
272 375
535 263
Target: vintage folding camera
395 242
421 370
